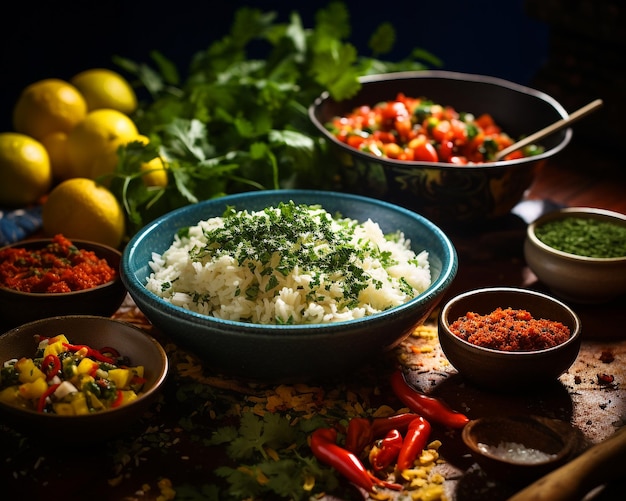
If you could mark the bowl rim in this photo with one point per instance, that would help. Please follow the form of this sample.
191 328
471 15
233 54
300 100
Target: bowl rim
41 241
158 383
446 75
563 213
467 437
446 276
444 325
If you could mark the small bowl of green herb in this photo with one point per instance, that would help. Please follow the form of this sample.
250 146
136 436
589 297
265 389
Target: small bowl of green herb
579 253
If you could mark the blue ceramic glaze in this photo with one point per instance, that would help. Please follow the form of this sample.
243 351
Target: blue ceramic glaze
289 352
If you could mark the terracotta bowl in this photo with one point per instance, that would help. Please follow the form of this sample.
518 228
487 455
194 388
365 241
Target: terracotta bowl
575 278
519 449
446 194
20 307
508 370
289 353
96 332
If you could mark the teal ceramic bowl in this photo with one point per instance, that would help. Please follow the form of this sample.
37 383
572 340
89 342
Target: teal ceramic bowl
447 194
289 353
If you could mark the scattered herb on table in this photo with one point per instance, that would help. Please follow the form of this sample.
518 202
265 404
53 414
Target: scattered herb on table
584 236
239 123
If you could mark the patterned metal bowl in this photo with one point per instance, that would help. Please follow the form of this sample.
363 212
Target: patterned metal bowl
445 193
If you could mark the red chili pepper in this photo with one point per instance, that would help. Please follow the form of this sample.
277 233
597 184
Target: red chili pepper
118 399
91 353
386 450
51 365
41 405
359 434
325 449
362 432
400 422
431 408
107 350
414 443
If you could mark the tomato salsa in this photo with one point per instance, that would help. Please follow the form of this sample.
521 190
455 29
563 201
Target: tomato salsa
58 267
417 129
510 330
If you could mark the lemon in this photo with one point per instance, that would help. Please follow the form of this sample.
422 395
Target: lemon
103 88
92 144
56 146
48 106
154 171
82 209
25 173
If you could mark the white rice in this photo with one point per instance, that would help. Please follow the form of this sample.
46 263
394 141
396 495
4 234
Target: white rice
290 264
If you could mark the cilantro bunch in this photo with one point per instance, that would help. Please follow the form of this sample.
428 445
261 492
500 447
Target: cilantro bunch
239 122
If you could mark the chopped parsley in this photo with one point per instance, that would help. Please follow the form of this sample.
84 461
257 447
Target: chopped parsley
323 257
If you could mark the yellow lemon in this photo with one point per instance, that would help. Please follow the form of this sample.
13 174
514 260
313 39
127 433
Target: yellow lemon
48 106
25 173
92 144
82 209
154 171
56 146
103 88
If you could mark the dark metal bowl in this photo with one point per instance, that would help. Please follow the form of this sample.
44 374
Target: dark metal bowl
445 193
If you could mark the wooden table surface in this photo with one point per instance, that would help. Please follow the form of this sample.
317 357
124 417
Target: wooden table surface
131 467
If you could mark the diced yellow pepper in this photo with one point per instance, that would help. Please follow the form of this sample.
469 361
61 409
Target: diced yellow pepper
33 389
87 366
121 377
28 371
63 409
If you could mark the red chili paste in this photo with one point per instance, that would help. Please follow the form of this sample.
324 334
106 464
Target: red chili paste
510 330
58 267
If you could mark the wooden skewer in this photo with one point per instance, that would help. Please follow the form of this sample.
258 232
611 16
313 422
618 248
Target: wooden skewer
550 129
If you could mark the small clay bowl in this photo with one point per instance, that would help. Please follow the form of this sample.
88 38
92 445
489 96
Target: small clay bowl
141 349
18 308
519 449
501 370
574 278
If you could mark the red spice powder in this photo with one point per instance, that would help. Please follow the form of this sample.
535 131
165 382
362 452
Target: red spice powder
58 267
510 330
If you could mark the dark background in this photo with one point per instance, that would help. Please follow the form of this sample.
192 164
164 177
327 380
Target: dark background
59 39
571 49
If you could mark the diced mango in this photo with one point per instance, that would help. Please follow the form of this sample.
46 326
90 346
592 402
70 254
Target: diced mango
10 395
121 377
54 348
60 338
28 371
87 366
63 409
94 402
79 402
137 370
128 396
33 389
